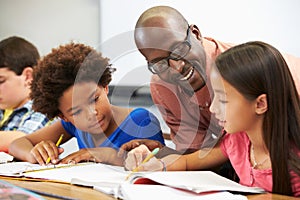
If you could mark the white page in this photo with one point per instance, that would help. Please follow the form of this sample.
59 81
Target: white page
199 181
150 192
5 157
17 168
86 173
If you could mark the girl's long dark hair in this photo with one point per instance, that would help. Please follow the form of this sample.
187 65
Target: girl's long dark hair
256 68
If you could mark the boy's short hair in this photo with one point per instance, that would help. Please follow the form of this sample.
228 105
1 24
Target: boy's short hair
17 53
62 68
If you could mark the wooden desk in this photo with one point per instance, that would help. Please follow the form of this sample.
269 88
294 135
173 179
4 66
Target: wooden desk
79 192
270 197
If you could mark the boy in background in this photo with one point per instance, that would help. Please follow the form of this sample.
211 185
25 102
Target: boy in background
17 59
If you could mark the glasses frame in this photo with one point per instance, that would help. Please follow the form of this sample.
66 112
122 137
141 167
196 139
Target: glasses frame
172 56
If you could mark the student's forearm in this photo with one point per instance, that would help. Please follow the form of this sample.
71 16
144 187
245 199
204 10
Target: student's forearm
114 159
175 162
7 137
106 155
117 161
199 160
20 149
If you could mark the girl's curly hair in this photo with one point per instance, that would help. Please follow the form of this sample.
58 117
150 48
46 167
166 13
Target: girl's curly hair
62 68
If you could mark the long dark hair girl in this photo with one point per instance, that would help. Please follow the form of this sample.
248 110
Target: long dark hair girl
257 68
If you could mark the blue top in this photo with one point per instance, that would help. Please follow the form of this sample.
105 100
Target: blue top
139 124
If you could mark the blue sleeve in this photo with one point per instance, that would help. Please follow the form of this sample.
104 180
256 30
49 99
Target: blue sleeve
139 124
69 127
148 125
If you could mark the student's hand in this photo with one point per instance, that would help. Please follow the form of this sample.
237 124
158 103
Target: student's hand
151 144
136 156
45 149
100 154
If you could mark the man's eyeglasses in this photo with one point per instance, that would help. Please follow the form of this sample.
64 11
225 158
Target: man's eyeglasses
178 52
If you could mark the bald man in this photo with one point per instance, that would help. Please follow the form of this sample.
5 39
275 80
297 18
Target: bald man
180 59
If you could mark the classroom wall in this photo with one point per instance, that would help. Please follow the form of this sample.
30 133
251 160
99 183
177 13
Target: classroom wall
108 24
273 21
50 23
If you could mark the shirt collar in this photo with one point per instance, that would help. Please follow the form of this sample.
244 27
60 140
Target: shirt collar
27 106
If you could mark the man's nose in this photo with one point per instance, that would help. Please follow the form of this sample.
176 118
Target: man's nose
177 65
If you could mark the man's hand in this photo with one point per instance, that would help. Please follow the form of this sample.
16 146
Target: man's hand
125 148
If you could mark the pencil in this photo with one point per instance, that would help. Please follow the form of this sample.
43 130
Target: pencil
57 144
151 155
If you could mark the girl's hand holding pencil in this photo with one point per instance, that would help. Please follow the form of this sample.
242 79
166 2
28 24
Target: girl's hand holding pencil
141 159
47 151
57 144
149 156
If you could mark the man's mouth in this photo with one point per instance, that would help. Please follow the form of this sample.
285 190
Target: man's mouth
188 75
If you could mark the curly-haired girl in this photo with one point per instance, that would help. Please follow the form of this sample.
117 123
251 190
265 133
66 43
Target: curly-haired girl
72 83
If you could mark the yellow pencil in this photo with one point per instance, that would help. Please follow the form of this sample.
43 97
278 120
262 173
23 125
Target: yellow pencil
151 155
57 144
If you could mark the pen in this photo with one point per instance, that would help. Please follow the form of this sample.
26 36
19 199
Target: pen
151 155
57 144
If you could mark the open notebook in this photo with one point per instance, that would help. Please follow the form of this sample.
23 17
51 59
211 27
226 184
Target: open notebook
109 179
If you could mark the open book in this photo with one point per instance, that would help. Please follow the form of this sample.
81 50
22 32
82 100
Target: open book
109 179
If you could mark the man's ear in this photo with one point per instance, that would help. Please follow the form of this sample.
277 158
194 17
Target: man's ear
27 73
195 30
261 104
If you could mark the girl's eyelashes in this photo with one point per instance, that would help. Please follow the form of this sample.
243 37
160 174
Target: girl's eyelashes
94 99
91 101
223 101
2 81
76 112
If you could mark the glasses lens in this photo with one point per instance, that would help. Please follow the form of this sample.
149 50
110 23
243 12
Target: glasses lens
158 67
180 51
177 53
